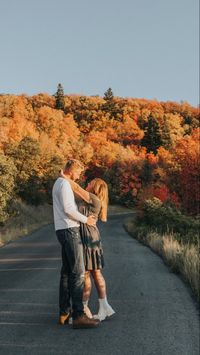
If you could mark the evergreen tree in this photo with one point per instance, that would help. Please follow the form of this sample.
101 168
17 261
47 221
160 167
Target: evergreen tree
152 137
59 96
108 95
110 106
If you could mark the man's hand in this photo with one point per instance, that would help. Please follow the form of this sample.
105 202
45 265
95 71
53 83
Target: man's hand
91 221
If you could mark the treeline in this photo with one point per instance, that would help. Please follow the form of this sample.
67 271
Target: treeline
142 148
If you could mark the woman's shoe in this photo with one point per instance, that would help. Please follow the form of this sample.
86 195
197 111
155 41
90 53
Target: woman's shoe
87 311
105 310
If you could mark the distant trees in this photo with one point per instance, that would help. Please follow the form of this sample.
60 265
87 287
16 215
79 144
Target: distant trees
59 96
143 148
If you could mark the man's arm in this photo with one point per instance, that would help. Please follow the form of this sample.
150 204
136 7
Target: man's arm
77 189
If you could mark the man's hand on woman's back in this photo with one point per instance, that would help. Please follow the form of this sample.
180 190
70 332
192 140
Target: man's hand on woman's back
91 221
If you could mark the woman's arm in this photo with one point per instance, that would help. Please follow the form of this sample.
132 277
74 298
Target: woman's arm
77 189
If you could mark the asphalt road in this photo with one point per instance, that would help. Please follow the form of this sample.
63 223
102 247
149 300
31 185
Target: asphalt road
155 313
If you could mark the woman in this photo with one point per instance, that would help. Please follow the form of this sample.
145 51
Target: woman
94 200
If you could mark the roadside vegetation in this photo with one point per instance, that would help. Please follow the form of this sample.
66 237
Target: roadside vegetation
25 219
172 235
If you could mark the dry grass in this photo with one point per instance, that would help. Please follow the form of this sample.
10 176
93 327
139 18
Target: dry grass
190 261
28 219
182 258
155 242
172 252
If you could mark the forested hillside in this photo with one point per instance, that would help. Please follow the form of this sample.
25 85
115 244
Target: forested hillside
142 148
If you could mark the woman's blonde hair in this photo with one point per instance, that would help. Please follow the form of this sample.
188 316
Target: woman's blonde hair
99 188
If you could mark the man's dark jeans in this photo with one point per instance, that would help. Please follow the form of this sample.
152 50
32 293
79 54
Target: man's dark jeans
72 271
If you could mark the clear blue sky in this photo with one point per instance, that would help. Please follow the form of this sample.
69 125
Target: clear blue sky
139 48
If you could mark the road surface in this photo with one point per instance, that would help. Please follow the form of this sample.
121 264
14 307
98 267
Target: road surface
155 313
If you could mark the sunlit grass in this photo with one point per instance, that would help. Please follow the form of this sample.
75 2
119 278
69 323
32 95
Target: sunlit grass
182 258
28 219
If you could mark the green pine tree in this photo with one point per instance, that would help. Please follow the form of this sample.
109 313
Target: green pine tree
59 96
108 95
152 136
111 107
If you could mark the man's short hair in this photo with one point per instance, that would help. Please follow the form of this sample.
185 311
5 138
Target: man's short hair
72 164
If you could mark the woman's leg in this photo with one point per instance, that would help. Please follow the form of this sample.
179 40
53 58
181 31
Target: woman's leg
99 283
105 310
87 287
86 294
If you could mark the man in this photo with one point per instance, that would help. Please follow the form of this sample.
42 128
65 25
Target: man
67 220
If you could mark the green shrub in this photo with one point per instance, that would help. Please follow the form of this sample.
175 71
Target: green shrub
166 218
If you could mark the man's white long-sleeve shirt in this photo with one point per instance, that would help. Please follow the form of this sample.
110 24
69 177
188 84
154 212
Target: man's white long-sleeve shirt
65 210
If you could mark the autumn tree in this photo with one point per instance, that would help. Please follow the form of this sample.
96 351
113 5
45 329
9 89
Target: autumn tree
7 184
59 96
186 172
147 172
26 156
166 138
136 134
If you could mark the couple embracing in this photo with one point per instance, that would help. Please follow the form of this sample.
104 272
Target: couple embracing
82 253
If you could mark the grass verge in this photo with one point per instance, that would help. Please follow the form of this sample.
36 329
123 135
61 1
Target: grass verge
27 219
182 258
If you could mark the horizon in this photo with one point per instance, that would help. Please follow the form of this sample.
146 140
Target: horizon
141 49
101 96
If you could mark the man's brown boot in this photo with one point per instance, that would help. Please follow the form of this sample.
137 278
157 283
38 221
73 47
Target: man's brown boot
64 319
82 322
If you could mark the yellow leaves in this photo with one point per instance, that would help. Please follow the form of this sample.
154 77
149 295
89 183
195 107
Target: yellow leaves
165 157
60 128
129 130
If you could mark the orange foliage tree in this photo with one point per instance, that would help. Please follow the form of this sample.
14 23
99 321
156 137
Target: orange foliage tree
186 172
106 135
